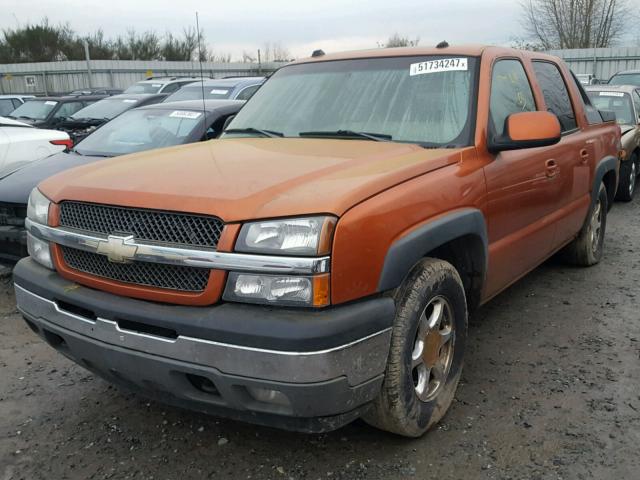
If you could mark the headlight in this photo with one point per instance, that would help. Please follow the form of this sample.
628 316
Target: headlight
278 289
40 251
38 208
308 236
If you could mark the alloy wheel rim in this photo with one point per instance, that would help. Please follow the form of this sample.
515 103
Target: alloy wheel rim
596 226
432 354
632 178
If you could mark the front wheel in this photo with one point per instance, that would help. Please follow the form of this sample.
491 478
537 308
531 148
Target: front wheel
628 177
426 354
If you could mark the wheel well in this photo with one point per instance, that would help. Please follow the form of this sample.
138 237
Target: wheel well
609 181
467 255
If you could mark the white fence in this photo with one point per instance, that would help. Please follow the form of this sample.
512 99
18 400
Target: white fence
48 78
601 62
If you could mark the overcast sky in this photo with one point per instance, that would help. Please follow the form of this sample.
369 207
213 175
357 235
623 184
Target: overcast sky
299 25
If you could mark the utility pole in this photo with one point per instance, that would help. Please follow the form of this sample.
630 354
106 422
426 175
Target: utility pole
86 55
259 64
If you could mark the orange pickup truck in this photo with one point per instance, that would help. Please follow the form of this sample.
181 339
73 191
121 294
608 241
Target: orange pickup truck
318 263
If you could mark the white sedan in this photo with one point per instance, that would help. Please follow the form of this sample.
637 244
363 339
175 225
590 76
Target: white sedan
22 143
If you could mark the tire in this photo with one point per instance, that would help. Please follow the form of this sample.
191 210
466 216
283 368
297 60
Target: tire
628 177
415 397
586 249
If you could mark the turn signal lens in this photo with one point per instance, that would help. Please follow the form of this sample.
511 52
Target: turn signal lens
278 289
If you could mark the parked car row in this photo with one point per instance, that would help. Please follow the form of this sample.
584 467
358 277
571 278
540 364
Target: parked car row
318 259
148 126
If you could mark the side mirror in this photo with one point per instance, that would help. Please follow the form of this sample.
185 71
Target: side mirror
527 130
227 122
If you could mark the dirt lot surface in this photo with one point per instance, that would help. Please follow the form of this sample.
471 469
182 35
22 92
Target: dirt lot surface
550 390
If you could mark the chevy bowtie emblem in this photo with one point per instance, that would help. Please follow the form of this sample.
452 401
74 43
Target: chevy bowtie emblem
118 249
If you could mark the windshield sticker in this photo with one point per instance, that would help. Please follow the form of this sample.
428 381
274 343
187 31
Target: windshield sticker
217 91
611 94
436 66
49 102
185 114
129 100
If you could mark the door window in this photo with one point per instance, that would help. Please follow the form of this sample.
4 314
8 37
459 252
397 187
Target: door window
6 107
636 103
555 94
171 87
67 109
247 92
510 93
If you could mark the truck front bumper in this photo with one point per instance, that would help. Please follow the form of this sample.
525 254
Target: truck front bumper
301 370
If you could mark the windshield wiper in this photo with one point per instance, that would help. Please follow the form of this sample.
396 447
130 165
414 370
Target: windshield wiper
376 137
264 133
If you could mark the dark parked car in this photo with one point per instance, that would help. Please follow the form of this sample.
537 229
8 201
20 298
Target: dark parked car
85 121
144 128
238 88
49 112
97 91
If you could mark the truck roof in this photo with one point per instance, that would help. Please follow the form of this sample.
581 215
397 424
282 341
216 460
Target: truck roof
464 50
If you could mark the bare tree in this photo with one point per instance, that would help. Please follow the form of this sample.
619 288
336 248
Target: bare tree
574 23
396 40
275 52
223 57
248 57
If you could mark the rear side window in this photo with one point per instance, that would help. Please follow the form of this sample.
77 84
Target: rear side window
510 93
247 93
555 94
6 107
636 102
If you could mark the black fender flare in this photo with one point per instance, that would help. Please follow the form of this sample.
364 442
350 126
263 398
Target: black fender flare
604 166
406 251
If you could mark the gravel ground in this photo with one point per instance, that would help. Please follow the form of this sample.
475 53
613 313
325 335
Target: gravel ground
549 391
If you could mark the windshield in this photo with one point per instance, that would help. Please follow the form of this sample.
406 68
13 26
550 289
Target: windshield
194 92
144 87
34 109
625 79
425 100
107 108
616 102
138 130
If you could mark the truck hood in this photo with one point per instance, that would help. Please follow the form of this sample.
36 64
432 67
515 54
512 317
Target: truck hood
246 178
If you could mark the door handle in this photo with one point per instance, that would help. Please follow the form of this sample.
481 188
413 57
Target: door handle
552 168
584 155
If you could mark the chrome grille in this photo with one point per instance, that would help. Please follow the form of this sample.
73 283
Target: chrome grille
151 225
157 275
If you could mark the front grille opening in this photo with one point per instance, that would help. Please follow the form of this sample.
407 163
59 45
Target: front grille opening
144 224
55 340
170 277
203 384
138 327
76 310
